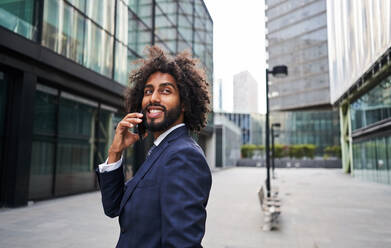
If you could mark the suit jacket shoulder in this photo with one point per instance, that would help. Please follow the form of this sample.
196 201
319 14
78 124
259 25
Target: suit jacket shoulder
184 192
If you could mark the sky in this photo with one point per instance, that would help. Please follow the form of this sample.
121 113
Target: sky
239 45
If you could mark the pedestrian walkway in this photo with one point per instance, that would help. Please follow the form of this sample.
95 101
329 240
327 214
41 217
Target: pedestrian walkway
73 222
320 208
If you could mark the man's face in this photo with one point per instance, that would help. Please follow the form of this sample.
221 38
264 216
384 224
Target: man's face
161 103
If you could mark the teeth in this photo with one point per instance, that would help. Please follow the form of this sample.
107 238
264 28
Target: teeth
155 111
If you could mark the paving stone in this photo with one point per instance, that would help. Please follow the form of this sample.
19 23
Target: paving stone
320 208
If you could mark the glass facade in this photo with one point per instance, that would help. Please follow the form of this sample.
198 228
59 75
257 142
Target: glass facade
373 106
43 152
372 151
108 36
98 53
105 131
297 37
184 25
372 159
85 40
75 155
140 35
71 132
359 32
243 122
102 13
63 30
228 141
18 16
320 128
71 135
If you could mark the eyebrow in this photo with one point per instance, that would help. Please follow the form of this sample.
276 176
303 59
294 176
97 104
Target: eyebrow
161 85
167 84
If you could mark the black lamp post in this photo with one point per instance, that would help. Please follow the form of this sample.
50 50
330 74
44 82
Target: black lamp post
274 135
278 71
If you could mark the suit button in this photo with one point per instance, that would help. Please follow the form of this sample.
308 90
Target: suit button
122 230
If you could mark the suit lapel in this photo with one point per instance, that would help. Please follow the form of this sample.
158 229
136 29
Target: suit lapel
147 165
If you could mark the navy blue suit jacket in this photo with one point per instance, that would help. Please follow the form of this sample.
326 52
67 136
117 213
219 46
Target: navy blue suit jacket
164 204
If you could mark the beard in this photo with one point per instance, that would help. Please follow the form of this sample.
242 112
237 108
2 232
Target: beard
170 117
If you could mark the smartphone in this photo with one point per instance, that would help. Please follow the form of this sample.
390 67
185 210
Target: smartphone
141 127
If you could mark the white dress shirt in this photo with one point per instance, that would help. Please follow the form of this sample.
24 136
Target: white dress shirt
105 167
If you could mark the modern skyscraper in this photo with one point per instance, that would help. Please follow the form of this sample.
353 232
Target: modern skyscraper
64 66
245 92
297 37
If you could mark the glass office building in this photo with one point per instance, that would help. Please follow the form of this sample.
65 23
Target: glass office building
64 66
228 141
372 153
317 127
360 82
370 119
297 37
243 121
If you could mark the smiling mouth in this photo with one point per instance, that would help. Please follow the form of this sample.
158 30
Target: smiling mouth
154 112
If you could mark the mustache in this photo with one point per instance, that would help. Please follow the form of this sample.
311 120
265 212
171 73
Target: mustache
144 111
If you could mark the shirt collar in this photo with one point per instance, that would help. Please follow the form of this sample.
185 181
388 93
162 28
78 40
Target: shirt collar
161 137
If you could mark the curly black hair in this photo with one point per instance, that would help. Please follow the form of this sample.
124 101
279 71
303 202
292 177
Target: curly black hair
190 79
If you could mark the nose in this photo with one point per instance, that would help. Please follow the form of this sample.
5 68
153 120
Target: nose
155 97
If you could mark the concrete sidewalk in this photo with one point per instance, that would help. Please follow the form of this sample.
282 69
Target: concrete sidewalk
320 208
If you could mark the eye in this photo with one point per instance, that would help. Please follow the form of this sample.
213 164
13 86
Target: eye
147 92
166 91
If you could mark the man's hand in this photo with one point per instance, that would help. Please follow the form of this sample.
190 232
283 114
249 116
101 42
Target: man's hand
123 137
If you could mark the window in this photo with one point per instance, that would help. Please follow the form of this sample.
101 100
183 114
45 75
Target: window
102 12
44 143
98 51
106 123
139 35
68 142
68 33
63 30
17 16
373 106
75 154
121 63
371 159
122 22
381 160
143 9
80 4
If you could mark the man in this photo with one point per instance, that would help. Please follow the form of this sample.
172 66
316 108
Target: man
163 205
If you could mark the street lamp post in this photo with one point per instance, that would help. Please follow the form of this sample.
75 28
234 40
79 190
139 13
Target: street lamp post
279 71
273 148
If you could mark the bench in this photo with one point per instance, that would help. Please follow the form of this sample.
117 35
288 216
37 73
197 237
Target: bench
270 207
